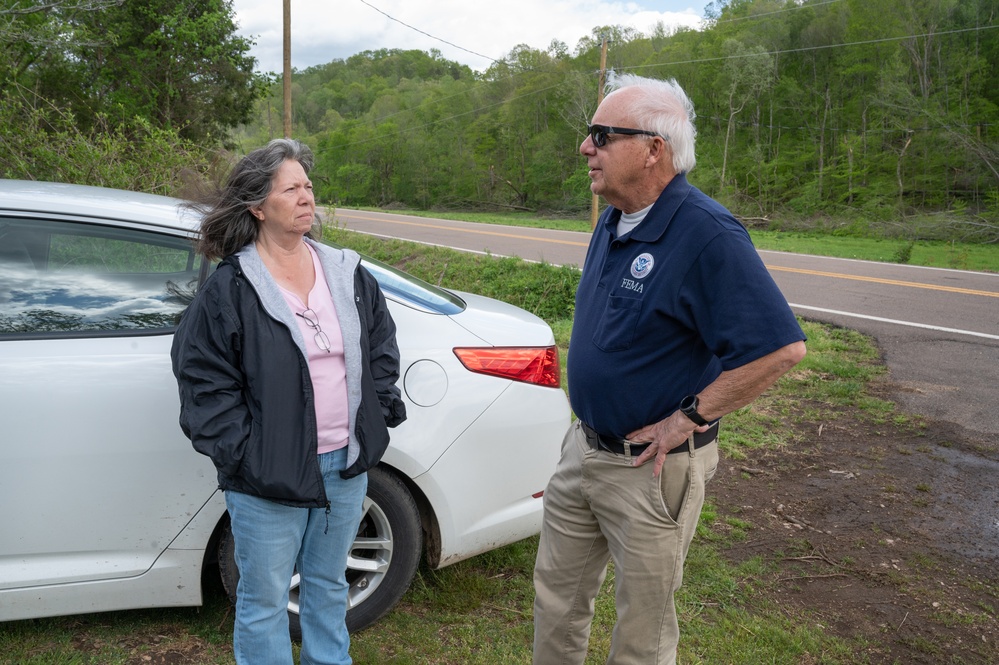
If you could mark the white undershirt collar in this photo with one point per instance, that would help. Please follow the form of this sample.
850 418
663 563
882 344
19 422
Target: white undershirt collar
629 220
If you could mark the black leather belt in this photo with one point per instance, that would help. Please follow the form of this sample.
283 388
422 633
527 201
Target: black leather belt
612 445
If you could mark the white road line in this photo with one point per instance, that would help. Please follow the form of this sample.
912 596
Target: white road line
896 322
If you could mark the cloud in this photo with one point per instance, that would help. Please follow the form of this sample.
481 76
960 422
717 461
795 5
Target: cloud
323 30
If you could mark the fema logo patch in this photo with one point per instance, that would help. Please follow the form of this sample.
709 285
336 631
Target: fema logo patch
642 265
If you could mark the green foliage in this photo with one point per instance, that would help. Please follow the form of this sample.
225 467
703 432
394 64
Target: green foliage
40 142
963 256
352 183
810 110
173 64
807 112
904 253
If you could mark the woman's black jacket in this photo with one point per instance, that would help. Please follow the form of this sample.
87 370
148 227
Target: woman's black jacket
245 391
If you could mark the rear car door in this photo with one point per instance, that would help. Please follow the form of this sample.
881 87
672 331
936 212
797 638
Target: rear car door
96 477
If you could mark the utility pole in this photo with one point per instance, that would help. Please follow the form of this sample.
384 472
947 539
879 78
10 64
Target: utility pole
287 69
595 205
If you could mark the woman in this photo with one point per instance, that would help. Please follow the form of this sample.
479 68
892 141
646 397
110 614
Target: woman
287 364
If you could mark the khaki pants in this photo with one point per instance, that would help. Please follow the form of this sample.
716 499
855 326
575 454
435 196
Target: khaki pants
599 508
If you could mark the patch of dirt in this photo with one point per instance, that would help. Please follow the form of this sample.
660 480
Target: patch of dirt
171 646
885 533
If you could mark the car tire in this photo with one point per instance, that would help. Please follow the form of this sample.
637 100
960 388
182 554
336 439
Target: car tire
382 561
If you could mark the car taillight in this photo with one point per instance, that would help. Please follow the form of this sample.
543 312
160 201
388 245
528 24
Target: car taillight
537 365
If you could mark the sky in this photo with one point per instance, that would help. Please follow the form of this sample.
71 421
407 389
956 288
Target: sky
478 31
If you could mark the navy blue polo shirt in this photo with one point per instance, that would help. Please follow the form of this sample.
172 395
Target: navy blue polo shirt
663 310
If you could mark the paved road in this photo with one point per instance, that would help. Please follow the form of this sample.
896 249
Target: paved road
939 329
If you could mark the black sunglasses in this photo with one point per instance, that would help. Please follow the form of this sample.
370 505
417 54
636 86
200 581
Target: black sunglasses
599 133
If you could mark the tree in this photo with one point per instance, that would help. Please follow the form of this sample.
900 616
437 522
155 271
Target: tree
177 63
747 73
865 109
30 32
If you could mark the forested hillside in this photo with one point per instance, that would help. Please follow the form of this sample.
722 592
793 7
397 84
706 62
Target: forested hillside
841 113
855 116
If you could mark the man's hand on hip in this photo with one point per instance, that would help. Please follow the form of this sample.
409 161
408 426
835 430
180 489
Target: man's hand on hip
664 436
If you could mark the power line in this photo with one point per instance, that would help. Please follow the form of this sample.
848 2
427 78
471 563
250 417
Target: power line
777 11
816 4
695 61
443 41
765 126
817 48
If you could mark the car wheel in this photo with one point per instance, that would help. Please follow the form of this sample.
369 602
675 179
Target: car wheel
382 560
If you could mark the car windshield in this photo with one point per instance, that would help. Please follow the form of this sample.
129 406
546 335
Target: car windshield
412 291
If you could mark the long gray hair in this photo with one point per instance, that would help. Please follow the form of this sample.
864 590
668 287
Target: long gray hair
227 224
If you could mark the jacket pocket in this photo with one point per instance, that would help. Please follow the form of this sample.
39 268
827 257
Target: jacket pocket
241 452
393 409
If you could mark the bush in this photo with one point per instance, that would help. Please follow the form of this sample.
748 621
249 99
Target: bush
42 142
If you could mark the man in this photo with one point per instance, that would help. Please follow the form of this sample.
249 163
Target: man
677 323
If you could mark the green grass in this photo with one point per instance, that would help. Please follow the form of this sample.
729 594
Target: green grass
201 635
938 254
479 611
724 618
524 219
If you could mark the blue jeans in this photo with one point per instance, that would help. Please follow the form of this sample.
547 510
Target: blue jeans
273 540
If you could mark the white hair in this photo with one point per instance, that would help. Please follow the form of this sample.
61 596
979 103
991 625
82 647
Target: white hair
662 106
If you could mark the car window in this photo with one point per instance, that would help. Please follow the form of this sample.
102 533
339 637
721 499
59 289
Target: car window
71 278
410 290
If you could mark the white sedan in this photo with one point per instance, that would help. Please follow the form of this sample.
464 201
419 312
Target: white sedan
106 506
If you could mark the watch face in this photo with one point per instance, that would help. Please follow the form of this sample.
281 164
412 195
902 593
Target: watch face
688 407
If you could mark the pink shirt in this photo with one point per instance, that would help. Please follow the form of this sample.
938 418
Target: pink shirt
327 368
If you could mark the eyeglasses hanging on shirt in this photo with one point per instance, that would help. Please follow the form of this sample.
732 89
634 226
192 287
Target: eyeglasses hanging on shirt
312 320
